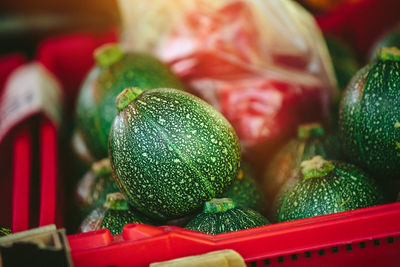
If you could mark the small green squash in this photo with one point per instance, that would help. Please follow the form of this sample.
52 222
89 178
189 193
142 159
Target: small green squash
281 173
115 70
245 191
115 213
369 120
222 215
328 187
95 185
171 151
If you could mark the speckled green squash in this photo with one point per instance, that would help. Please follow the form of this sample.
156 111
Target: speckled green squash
222 215
245 191
171 151
4 231
281 173
115 213
369 122
93 188
328 187
115 70
115 220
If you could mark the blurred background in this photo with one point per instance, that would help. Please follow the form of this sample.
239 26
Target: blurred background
23 23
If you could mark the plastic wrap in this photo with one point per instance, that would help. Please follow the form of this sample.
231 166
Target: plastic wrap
262 63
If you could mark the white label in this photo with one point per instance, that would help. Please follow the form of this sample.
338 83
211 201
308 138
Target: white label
30 89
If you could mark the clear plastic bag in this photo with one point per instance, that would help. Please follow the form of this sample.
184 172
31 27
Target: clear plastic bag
262 63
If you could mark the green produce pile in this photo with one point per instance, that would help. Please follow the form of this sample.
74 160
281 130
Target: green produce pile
173 158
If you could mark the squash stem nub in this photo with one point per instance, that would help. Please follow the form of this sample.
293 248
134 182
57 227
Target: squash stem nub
309 130
389 54
102 167
217 205
116 201
316 167
108 54
127 96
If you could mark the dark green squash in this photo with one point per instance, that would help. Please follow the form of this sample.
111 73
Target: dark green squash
93 188
326 187
4 231
345 65
281 173
369 122
344 60
388 39
222 215
115 213
245 191
171 151
115 70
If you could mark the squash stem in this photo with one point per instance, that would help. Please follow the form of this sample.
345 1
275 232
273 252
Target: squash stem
108 54
316 167
127 96
309 130
116 201
102 167
217 205
389 54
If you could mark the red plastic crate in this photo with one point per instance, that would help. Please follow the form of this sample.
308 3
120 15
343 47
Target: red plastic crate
363 237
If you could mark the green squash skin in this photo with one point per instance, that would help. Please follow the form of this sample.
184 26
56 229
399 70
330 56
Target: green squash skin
4 231
113 215
369 121
96 101
245 191
97 189
281 174
115 220
171 151
346 187
238 218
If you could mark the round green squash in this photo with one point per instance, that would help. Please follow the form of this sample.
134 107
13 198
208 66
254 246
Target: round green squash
345 65
115 70
344 60
115 213
281 173
95 185
222 215
327 187
171 151
245 191
369 119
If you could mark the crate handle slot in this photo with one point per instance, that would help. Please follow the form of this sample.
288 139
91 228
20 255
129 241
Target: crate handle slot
48 173
22 148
